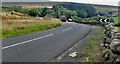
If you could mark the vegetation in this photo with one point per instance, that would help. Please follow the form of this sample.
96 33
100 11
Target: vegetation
17 13
27 16
115 19
105 8
117 28
27 30
34 12
13 23
55 10
16 23
89 9
70 10
93 51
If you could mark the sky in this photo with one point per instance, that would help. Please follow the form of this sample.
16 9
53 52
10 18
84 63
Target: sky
102 2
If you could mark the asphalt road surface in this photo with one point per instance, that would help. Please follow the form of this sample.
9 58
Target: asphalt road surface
43 46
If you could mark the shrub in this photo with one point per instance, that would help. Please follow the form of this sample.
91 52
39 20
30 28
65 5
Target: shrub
34 12
17 13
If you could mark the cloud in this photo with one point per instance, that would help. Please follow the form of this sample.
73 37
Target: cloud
25 0
102 2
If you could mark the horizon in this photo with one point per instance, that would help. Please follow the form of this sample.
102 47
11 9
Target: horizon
100 2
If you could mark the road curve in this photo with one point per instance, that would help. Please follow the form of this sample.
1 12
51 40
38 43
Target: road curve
43 46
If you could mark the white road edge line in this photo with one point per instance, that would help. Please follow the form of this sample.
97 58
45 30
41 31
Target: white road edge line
67 29
26 41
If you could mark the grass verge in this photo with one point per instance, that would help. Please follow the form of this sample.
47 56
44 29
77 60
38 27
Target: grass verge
115 19
117 28
28 30
93 52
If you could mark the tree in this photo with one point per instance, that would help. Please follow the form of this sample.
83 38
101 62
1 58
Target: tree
51 13
34 12
71 13
59 10
89 9
81 14
76 18
16 8
25 11
111 20
110 12
44 12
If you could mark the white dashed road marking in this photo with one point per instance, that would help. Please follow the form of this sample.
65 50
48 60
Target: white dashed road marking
67 29
26 41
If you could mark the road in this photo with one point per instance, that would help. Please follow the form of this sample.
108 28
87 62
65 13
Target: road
43 46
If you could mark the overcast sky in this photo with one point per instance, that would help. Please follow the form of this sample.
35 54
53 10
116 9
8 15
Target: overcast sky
103 2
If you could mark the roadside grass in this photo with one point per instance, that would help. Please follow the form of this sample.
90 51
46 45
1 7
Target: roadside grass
27 30
14 25
92 52
117 28
115 20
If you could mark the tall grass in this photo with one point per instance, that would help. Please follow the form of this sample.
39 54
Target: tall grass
115 20
117 28
27 30
14 25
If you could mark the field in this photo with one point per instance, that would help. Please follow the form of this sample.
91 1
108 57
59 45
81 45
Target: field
14 25
30 4
106 8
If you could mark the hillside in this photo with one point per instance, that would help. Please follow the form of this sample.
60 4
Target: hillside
105 8
44 3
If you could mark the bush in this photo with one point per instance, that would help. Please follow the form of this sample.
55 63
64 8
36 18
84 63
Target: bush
111 20
75 18
34 12
17 13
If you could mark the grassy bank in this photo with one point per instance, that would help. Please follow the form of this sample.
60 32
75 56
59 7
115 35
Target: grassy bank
115 19
93 53
14 25
28 30
117 28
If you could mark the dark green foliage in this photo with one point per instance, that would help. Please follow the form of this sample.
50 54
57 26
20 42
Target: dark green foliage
70 10
34 12
89 9
81 14
110 12
44 12
15 8
71 13
76 18
59 10
12 8
111 20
